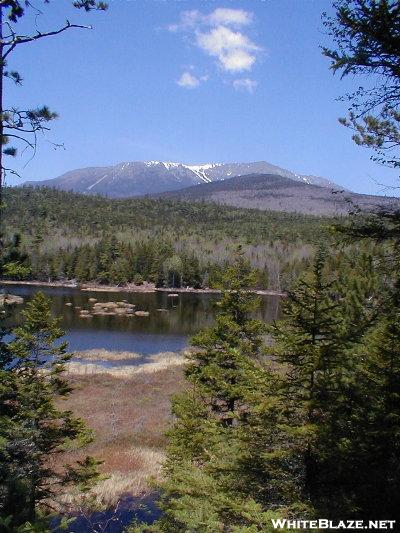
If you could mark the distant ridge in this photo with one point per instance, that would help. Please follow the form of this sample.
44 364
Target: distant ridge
140 178
279 193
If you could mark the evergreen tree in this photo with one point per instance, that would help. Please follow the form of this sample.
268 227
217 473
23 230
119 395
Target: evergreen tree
372 406
207 485
373 427
366 34
329 387
14 263
17 125
33 429
307 345
119 272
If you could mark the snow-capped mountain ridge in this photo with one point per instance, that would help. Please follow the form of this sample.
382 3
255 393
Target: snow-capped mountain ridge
198 170
137 178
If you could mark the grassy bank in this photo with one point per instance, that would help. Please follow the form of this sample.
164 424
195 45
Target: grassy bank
128 409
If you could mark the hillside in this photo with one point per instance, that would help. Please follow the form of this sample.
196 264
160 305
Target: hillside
71 236
274 192
76 215
139 178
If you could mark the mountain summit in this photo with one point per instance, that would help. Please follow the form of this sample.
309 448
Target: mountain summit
152 177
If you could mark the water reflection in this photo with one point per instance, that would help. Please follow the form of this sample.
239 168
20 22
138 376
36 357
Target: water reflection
160 331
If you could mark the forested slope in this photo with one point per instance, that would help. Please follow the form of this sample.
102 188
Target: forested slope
68 235
82 215
279 193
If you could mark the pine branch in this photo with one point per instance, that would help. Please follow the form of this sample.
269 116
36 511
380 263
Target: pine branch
17 40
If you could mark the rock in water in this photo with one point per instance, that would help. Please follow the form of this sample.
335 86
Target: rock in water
10 299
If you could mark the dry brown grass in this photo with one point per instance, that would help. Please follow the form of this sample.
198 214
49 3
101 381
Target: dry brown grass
105 355
158 362
128 415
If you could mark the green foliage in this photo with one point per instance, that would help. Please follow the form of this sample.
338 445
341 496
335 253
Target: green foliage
21 126
14 264
170 243
366 33
82 216
33 429
88 5
209 486
314 345
375 423
372 405
337 355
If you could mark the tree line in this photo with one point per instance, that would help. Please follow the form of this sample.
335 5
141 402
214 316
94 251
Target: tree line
303 426
112 262
306 426
57 213
58 236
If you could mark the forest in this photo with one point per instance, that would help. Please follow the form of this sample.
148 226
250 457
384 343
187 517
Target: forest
59 235
290 425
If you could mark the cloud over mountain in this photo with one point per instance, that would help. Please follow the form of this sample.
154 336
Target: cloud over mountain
221 35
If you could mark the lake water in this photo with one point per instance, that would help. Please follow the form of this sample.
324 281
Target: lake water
169 330
158 332
140 509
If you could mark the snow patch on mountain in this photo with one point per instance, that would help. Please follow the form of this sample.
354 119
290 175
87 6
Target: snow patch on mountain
136 178
206 166
201 170
98 181
170 165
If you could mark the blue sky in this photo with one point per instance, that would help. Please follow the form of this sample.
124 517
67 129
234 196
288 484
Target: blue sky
191 81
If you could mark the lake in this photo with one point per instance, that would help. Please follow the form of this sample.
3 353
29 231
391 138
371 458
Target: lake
161 331
147 335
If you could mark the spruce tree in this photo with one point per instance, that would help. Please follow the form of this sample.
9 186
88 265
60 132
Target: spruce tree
316 344
374 397
374 425
209 486
33 428
14 263
366 38
304 344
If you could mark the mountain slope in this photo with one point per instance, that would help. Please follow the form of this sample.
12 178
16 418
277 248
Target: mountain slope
279 193
149 177
59 216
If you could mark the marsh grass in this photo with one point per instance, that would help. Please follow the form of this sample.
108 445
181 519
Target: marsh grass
160 361
128 409
105 355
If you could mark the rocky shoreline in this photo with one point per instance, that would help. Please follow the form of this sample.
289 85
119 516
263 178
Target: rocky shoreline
131 287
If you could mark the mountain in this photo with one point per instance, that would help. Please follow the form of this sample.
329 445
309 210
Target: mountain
149 177
279 193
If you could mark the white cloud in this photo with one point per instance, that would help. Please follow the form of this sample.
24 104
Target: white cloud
233 17
237 60
188 20
221 39
188 81
234 50
220 35
221 15
245 84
